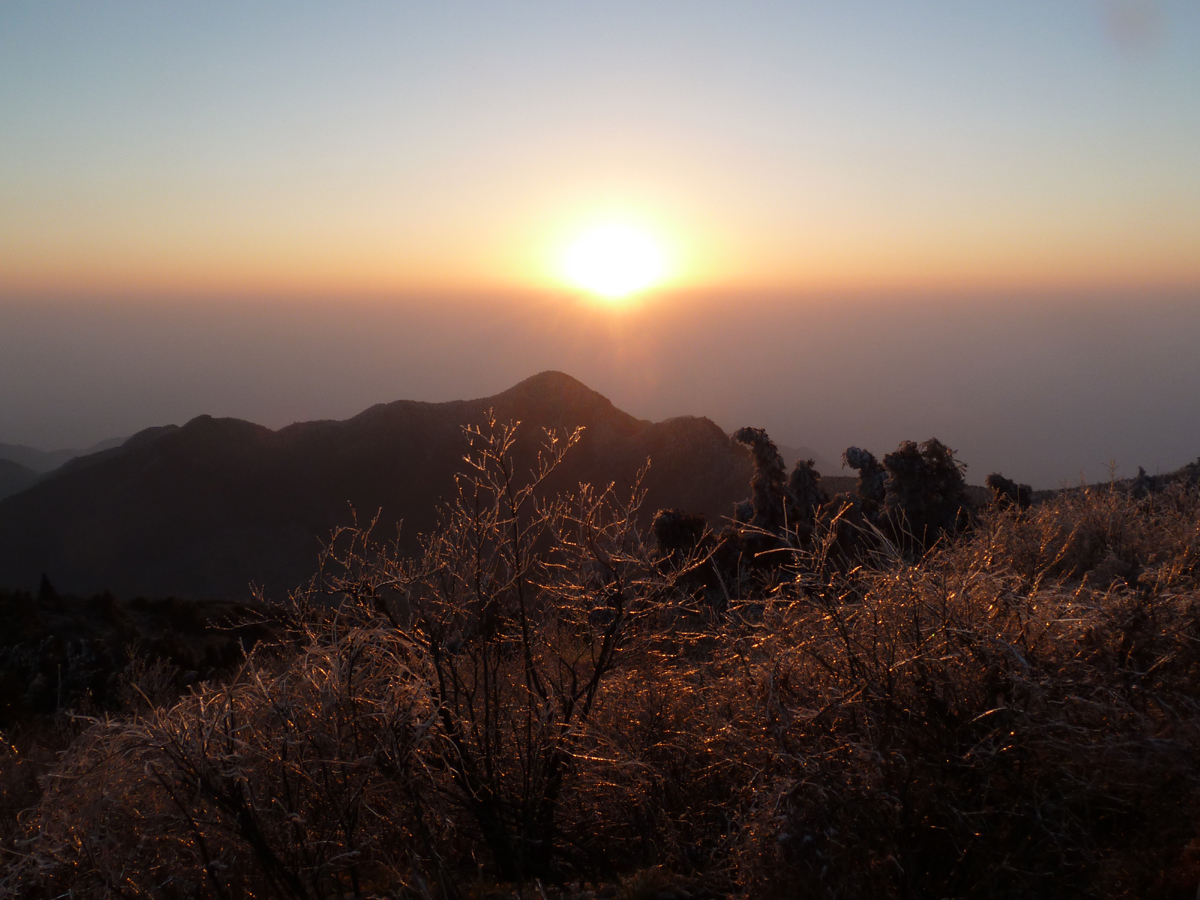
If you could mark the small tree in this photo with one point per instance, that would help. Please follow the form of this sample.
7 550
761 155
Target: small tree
926 492
782 505
872 478
520 606
1006 493
768 483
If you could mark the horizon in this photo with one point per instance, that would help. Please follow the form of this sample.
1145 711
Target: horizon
859 224
1045 392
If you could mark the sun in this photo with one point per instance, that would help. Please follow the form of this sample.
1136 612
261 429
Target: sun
615 261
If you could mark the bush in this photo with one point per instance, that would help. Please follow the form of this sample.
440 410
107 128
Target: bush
953 728
925 493
295 780
1012 711
520 608
1009 493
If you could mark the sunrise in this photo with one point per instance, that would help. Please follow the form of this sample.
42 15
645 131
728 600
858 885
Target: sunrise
638 451
614 260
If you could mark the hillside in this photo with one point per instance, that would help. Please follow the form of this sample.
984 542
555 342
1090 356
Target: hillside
14 478
41 461
204 509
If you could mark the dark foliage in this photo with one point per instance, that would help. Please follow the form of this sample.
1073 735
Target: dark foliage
805 499
1008 493
781 506
677 532
925 493
69 653
768 484
872 479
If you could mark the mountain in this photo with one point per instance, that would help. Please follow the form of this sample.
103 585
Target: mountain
14 478
204 509
48 460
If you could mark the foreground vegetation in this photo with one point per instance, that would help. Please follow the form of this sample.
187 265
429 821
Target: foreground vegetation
882 694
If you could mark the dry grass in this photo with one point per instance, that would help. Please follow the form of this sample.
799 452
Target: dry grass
1015 714
293 780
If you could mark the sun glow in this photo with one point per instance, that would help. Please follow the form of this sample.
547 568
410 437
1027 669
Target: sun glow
615 261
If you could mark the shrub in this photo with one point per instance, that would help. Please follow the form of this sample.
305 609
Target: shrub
1012 712
951 728
295 780
1106 535
925 493
872 478
1009 493
767 486
676 532
782 508
520 608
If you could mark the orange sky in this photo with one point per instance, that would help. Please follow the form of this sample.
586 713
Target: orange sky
876 221
785 147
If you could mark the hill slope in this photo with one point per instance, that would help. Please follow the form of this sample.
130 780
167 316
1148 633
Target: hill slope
204 509
41 461
15 478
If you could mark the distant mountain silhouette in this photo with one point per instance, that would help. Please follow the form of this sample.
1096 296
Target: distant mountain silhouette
48 460
204 509
15 478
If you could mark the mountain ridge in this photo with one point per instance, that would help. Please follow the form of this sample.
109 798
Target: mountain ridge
43 461
203 509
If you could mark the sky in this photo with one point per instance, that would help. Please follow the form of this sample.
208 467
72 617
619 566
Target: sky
285 211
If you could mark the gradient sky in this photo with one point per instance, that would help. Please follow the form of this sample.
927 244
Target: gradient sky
885 220
365 147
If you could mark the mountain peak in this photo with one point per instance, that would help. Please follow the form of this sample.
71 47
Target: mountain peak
557 400
200 510
551 382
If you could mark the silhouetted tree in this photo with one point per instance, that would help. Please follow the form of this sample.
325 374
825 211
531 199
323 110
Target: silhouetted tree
768 484
925 492
780 503
1009 493
46 591
871 478
805 498
677 531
